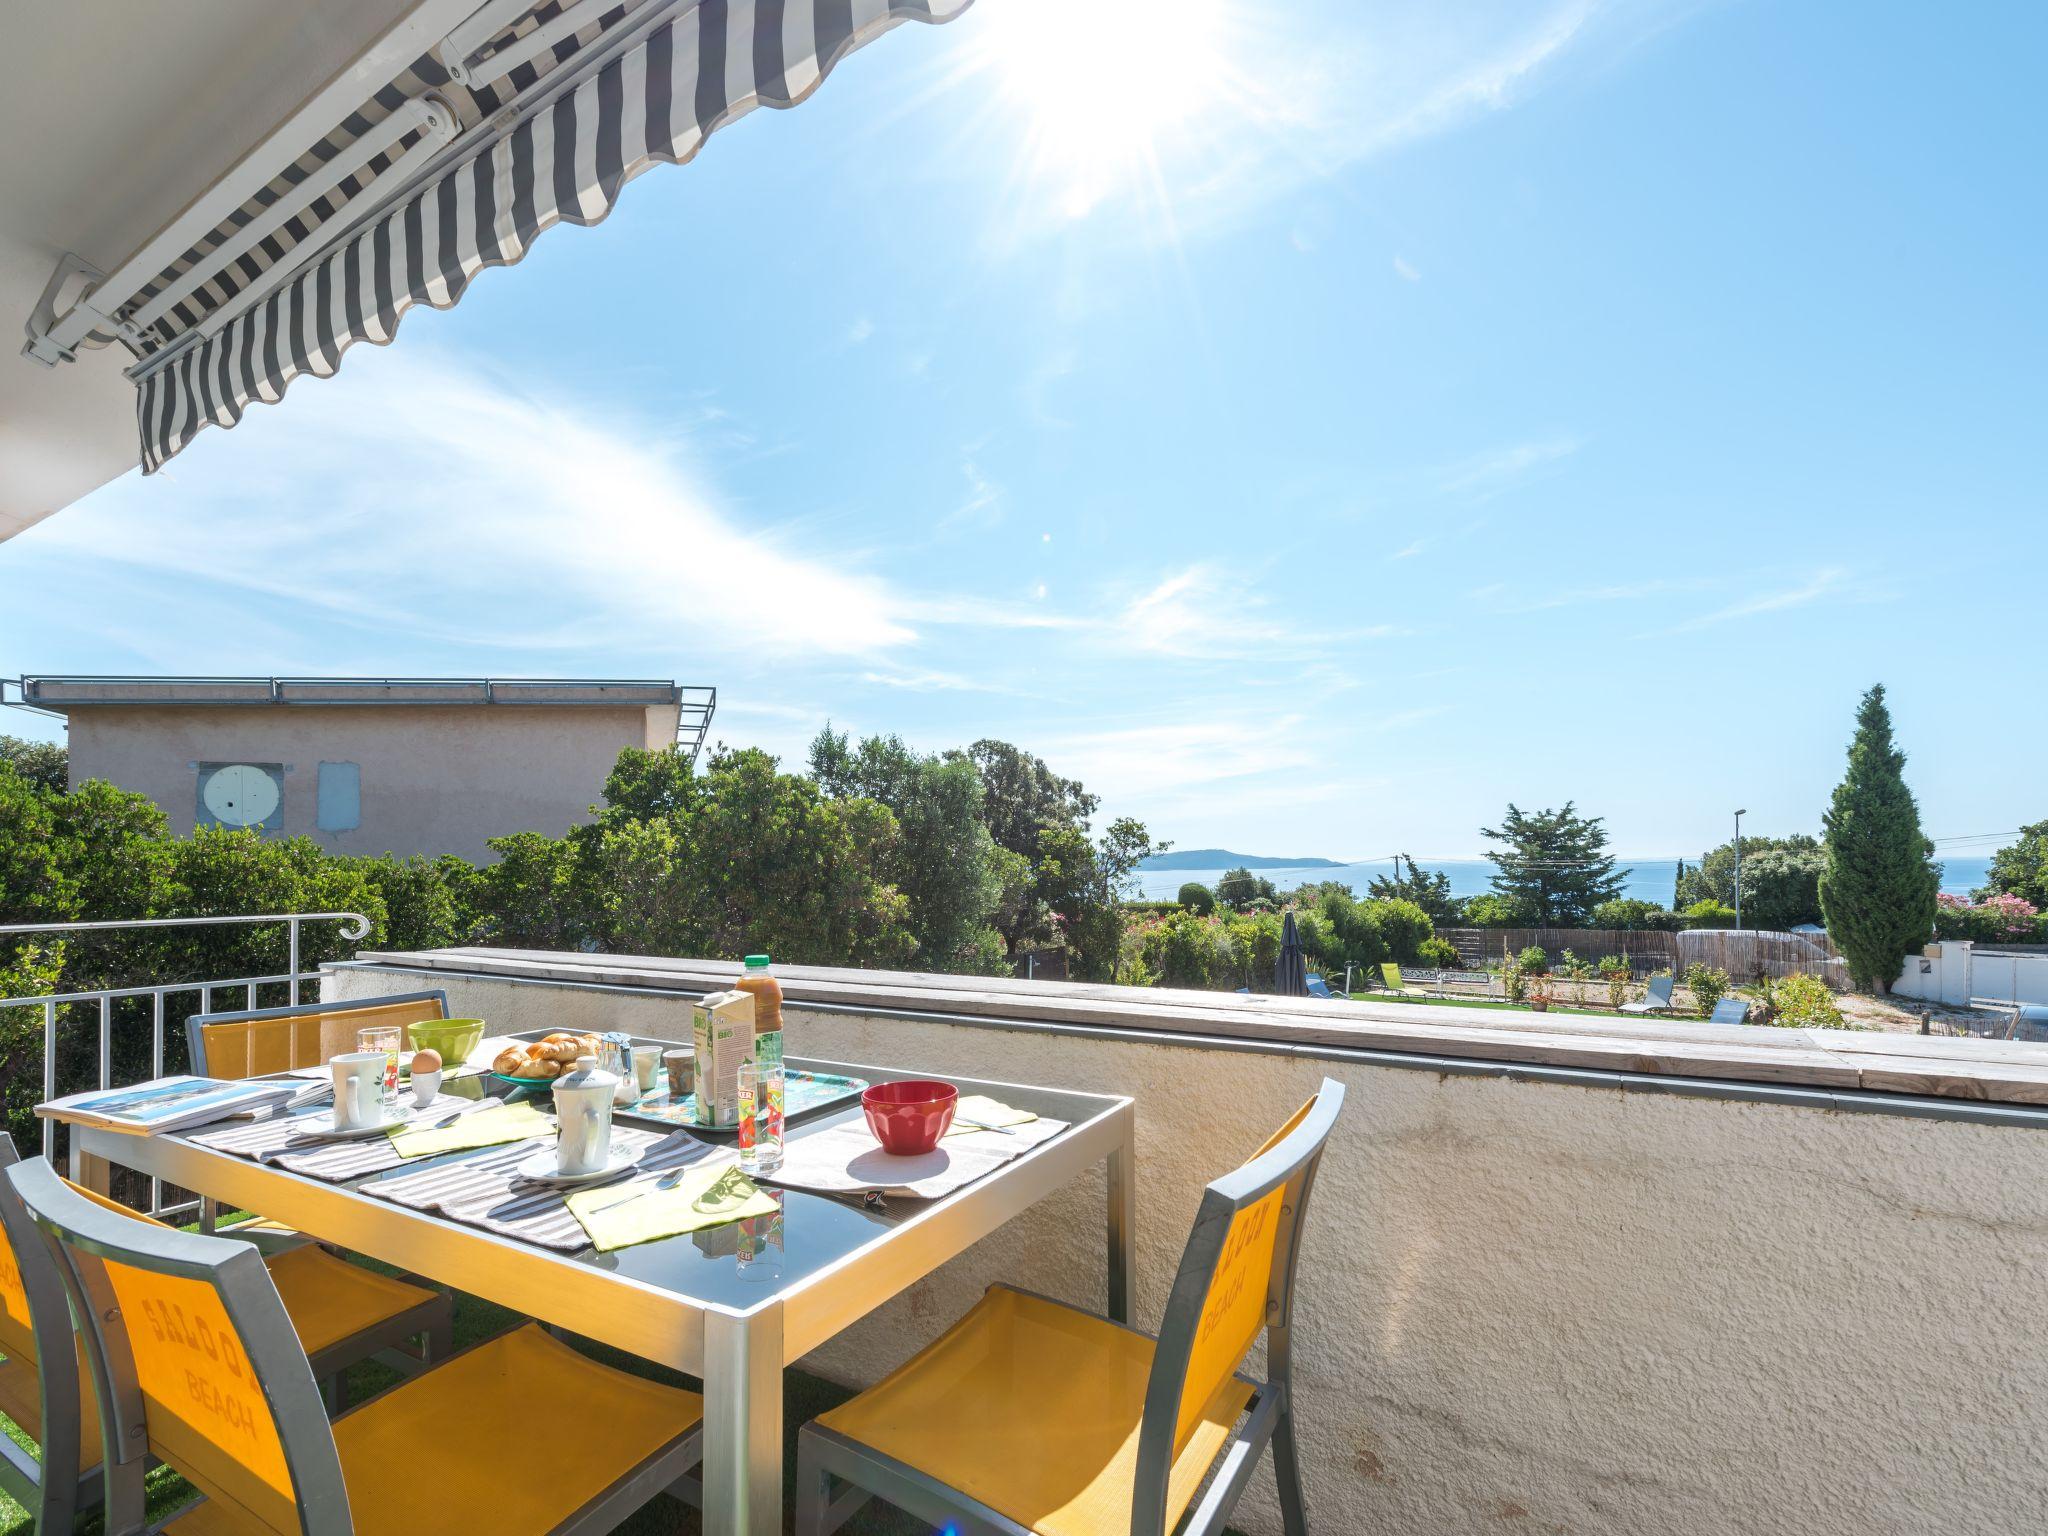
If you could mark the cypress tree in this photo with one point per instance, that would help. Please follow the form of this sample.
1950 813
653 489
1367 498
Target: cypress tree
1877 891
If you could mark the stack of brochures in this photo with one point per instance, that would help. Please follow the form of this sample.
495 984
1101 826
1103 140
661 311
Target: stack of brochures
168 1104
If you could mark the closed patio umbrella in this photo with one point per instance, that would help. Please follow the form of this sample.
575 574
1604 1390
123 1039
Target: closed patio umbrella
1291 974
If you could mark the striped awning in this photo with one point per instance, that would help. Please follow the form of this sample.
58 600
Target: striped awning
558 151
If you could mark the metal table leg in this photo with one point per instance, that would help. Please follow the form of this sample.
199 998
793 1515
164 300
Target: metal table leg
743 1421
1121 1169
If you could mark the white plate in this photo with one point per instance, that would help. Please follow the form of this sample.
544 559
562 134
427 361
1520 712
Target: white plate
541 1169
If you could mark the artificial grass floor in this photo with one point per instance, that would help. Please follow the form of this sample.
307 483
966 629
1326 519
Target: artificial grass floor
804 1398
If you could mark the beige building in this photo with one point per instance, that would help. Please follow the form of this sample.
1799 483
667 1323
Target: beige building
368 765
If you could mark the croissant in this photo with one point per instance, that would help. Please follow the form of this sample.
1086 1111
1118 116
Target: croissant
563 1050
509 1061
545 1068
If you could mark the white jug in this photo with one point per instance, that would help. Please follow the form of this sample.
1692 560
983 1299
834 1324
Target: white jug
358 1089
583 1108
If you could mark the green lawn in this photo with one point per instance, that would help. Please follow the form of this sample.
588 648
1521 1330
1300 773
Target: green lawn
1475 1002
804 1398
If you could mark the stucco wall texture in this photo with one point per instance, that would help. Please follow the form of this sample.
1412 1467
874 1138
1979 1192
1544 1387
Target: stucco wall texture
1536 1307
434 779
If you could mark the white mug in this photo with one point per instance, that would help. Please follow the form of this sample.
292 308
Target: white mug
583 1110
358 1089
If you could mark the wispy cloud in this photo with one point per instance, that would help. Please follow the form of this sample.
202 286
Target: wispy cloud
1828 582
1408 551
1582 597
861 329
1406 271
983 506
422 497
1486 475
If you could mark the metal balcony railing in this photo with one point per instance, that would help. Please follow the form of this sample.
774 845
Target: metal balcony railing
55 1005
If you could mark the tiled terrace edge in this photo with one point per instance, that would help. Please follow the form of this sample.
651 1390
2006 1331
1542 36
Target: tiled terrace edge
1845 1069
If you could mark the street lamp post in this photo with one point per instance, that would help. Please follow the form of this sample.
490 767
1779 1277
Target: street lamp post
1738 869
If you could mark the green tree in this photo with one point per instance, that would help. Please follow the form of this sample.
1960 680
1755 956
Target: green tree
1879 885
1430 891
1780 880
2021 869
944 860
1554 864
1625 912
43 765
1197 898
1022 796
1491 911
1239 888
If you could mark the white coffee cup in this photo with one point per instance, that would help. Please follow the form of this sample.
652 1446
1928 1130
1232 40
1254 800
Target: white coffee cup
358 1089
583 1110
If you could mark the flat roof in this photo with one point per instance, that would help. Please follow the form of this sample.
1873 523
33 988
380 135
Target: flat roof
61 695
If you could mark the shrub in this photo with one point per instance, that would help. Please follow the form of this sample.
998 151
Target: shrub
1614 965
1439 954
1572 968
1514 981
1617 987
1627 912
1198 898
1708 985
1532 961
1708 914
1997 918
1800 1001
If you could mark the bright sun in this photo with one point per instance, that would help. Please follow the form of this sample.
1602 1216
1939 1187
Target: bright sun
1104 88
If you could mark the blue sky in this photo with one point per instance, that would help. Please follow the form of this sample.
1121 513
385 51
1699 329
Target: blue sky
1312 433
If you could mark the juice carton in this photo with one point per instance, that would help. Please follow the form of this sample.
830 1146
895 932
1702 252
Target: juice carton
724 1026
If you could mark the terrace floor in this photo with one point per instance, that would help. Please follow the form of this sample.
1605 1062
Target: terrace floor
805 1397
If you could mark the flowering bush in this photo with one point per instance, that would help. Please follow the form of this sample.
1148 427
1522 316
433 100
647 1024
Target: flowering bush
2000 917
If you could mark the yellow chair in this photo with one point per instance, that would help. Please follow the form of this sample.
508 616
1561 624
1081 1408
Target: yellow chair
197 1364
255 1042
1030 1418
341 1313
1390 973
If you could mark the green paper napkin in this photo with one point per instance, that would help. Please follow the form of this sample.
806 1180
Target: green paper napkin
641 1210
478 1128
985 1111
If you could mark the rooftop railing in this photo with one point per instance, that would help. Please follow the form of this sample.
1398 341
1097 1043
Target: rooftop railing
59 1009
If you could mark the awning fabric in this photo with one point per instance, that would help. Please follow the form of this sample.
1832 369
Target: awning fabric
710 63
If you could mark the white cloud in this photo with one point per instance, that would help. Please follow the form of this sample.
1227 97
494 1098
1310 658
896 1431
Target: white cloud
860 330
983 506
1409 551
416 496
1405 270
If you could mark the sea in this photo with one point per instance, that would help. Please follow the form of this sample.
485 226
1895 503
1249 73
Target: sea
1648 879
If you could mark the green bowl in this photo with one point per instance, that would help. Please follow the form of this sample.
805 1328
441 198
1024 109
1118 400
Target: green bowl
453 1038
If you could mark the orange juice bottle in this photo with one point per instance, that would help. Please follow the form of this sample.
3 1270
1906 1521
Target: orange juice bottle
767 993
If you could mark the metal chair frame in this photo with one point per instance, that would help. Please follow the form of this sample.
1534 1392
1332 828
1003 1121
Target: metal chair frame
56 1488
82 1236
195 1026
826 1457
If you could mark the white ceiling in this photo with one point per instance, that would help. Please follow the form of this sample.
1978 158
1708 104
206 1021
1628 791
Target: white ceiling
116 114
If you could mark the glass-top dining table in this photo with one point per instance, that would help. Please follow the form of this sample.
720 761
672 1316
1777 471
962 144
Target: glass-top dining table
732 1310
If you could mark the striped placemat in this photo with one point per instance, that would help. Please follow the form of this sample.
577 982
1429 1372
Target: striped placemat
484 1191
295 1142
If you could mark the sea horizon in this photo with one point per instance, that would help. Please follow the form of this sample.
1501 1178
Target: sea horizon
1647 880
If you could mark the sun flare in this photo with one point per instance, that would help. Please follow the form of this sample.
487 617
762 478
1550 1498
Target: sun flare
1105 89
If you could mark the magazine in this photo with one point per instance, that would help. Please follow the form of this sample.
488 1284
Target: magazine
166 1104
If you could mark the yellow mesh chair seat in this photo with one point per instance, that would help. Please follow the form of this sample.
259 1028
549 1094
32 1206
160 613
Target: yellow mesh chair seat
330 1299
1061 1391
467 1448
327 1298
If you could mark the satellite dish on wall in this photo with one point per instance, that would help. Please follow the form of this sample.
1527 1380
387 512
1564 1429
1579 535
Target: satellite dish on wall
240 795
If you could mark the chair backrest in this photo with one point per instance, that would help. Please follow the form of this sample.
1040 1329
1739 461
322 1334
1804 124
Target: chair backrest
197 1365
1730 1010
1236 1280
1391 973
1659 989
256 1041
36 1331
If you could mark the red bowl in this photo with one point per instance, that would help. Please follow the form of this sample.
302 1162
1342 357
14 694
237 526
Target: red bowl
909 1117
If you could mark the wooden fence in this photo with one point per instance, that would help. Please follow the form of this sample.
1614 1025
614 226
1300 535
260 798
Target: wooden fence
1742 953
